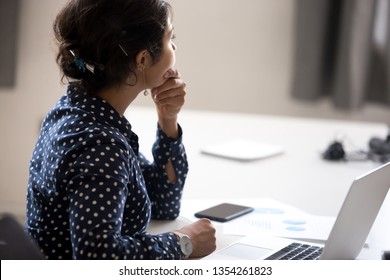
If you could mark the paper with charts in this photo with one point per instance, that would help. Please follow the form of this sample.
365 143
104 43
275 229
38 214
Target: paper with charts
274 218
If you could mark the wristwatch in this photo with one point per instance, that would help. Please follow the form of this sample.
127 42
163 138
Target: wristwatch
185 244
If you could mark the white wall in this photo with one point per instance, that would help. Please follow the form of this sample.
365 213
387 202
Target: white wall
237 56
22 108
234 55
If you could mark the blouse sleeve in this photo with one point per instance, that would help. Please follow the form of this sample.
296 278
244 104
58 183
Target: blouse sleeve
97 186
164 195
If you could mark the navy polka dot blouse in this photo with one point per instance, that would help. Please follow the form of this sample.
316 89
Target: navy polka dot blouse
91 194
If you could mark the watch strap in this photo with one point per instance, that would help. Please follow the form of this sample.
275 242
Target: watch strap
180 236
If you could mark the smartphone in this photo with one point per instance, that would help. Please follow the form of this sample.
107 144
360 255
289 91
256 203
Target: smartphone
224 212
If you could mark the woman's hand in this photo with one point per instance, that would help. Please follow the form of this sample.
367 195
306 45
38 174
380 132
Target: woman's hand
169 98
202 234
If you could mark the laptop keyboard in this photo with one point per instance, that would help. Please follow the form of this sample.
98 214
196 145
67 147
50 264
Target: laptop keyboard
297 251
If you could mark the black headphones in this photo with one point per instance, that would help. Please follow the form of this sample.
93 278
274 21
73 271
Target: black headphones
379 150
335 151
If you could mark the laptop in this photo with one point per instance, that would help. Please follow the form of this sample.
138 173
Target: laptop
346 239
15 244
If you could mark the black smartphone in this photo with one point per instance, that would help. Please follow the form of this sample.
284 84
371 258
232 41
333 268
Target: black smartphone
224 212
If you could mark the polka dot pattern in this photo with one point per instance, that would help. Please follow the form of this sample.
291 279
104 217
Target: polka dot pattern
91 193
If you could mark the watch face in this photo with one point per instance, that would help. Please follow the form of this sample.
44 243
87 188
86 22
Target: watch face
186 245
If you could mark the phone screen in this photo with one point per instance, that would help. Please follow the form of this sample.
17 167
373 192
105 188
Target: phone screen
224 212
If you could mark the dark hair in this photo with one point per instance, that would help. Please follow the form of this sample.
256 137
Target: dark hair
99 39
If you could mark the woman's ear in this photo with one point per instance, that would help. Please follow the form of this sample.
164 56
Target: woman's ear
140 60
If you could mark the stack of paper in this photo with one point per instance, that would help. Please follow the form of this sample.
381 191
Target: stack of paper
243 150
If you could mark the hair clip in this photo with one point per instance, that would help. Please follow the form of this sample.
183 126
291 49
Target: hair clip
81 64
123 50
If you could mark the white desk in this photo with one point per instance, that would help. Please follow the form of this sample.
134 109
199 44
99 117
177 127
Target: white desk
299 177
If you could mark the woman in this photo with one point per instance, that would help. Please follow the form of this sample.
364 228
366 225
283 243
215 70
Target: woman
91 193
